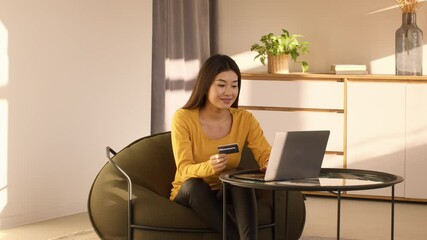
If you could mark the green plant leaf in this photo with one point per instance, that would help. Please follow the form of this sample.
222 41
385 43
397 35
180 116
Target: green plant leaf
304 66
284 43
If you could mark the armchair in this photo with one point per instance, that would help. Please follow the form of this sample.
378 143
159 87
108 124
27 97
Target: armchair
129 198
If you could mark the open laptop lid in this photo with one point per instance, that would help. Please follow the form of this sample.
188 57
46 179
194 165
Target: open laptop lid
294 155
297 154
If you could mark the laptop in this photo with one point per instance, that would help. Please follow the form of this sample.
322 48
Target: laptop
294 155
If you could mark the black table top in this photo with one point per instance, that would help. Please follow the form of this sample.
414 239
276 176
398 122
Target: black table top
330 179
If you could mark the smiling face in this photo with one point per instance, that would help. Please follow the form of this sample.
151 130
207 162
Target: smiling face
223 90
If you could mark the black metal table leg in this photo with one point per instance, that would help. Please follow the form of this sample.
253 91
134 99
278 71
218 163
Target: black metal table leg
274 214
358 177
286 214
339 215
392 212
224 210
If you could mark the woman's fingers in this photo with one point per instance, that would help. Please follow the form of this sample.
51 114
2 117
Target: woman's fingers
218 162
264 169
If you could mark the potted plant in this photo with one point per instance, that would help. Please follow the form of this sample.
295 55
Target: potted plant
280 47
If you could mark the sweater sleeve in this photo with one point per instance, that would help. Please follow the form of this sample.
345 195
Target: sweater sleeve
182 132
257 142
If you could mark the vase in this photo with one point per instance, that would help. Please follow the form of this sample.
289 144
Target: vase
278 64
409 46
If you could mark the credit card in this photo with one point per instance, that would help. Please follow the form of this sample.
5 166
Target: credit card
228 148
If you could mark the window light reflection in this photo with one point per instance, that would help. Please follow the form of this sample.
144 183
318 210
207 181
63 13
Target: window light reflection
4 58
3 153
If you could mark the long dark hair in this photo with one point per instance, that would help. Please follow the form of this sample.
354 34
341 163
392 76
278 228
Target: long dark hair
213 66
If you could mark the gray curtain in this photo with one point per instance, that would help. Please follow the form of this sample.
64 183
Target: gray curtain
184 36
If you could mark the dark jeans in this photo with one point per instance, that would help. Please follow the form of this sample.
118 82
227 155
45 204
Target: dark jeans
207 204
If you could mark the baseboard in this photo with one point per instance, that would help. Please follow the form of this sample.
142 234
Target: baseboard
33 217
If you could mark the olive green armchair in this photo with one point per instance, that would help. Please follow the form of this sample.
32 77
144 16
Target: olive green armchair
129 198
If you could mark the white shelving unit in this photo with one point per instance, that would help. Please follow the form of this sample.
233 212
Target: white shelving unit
377 122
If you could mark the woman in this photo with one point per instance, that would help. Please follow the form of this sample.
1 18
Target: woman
211 118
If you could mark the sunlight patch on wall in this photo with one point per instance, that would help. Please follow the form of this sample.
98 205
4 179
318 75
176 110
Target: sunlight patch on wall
3 153
246 61
383 10
385 65
180 71
4 79
4 59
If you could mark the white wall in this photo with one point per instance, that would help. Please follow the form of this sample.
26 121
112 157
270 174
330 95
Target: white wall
75 76
341 31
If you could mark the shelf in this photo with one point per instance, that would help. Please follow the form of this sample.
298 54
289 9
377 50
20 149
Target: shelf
332 77
292 109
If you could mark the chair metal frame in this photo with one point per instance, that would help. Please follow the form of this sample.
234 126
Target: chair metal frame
132 226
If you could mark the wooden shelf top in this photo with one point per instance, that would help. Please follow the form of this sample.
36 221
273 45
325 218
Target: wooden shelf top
333 77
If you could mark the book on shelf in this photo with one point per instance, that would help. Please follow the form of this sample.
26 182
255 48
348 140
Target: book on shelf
349 69
354 72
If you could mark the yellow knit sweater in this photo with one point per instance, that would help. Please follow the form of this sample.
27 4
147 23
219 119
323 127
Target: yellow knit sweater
192 148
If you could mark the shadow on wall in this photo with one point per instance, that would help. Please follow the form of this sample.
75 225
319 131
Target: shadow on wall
409 163
405 156
361 32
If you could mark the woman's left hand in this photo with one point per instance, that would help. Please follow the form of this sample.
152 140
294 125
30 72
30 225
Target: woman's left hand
218 162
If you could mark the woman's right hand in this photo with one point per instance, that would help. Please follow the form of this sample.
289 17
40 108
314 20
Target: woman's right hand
264 169
218 162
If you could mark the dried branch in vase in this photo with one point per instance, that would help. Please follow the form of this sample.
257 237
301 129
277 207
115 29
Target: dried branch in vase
409 6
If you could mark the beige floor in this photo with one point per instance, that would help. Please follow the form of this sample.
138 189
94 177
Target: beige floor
361 219
48 229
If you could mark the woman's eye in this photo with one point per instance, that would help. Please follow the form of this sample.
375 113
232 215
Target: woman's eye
234 86
221 85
